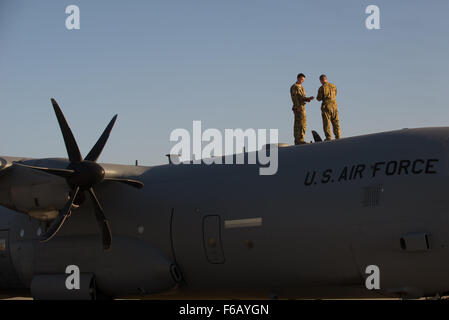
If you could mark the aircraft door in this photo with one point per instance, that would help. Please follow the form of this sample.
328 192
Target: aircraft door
212 239
197 245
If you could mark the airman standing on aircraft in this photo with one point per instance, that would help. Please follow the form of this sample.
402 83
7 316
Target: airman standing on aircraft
328 93
299 99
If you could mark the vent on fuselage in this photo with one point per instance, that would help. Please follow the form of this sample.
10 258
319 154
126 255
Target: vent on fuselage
371 196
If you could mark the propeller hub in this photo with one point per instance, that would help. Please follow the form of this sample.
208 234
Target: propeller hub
86 175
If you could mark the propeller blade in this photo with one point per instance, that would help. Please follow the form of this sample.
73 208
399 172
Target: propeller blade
316 136
69 140
61 218
103 223
98 147
57 172
132 183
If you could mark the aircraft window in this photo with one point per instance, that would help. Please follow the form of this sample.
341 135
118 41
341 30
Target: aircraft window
212 242
2 244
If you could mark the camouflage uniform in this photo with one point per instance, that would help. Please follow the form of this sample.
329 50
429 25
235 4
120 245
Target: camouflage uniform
299 99
327 93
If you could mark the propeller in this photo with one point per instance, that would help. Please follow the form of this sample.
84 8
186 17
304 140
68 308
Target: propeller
82 175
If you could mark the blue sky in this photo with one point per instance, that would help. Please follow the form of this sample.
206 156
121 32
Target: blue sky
162 64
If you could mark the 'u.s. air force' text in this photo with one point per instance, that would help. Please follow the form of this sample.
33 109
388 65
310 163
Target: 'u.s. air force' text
360 171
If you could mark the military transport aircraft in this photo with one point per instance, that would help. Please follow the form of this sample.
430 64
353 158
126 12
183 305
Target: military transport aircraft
309 231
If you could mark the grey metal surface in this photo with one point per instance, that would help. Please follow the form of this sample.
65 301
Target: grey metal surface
332 209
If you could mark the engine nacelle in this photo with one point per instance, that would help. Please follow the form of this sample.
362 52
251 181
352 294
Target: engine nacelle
53 287
4 164
41 201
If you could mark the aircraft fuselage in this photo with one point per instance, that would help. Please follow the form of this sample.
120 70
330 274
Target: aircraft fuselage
310 230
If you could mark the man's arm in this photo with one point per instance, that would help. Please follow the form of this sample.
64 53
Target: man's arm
296 98
319 96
